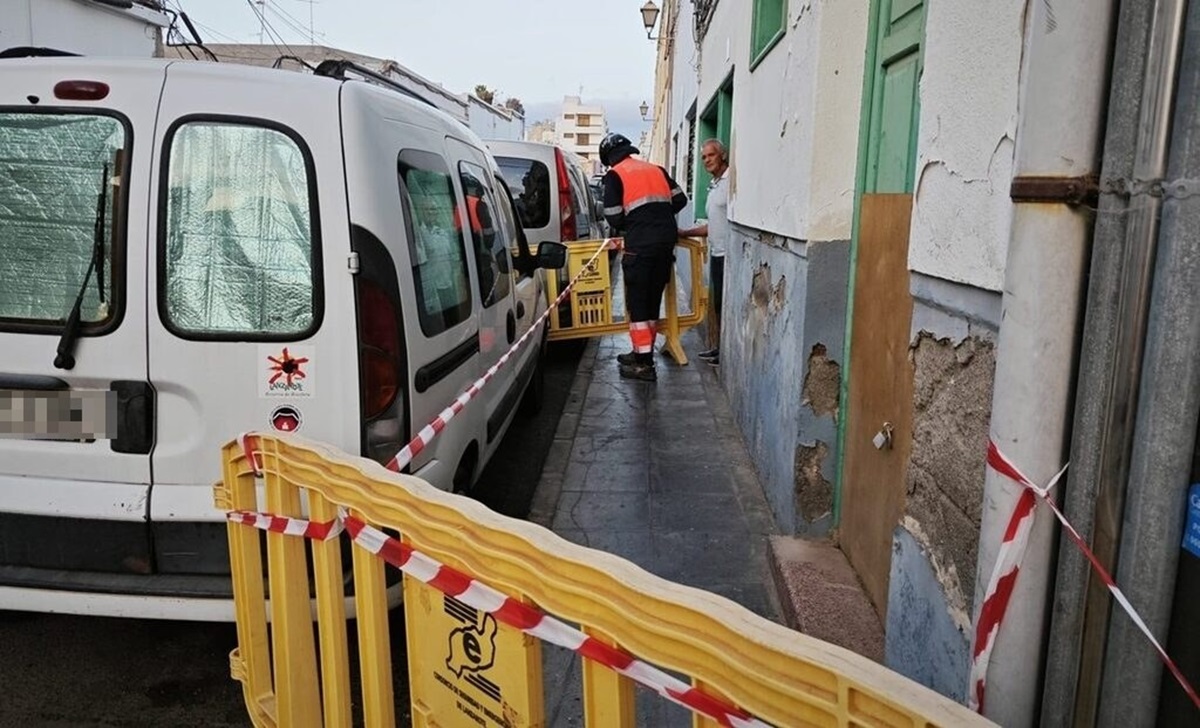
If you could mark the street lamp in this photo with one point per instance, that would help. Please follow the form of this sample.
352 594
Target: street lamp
649 18
645 109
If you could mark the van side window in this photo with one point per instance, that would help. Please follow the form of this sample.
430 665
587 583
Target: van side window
491 240
439 260
239 235
510 226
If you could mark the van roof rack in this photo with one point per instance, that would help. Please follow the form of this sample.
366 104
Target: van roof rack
32 52
334 68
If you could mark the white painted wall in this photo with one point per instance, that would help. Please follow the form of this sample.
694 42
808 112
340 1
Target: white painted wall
795 116
80 27
490 122
969 91
685 85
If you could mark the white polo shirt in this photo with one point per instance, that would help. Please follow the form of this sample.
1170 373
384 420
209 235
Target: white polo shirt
717 211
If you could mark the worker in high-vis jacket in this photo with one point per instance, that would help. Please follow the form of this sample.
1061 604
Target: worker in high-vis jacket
640 203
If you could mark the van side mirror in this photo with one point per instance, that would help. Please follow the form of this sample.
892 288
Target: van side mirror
552 255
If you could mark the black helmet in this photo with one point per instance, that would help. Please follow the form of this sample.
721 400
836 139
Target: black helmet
615 147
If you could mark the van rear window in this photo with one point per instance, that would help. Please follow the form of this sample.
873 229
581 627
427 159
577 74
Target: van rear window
529 181
240 243
59 192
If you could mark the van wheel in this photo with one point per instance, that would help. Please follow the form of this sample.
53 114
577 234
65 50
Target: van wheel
535 393
465 471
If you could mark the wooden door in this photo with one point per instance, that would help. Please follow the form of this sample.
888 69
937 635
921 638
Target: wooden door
880 373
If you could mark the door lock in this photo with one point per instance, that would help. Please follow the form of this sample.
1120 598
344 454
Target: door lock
883 438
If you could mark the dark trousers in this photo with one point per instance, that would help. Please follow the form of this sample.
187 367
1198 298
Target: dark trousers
716 282
646 275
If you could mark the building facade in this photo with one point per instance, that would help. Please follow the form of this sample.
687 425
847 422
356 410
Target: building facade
580 128
874 277
83 27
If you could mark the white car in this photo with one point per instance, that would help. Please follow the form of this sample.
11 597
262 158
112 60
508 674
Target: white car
192 250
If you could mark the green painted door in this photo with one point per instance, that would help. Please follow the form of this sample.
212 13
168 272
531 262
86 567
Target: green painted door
894 99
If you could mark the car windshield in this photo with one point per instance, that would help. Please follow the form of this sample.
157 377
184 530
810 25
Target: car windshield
56 215
530 184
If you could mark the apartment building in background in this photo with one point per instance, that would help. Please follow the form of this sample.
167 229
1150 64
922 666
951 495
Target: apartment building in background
580 128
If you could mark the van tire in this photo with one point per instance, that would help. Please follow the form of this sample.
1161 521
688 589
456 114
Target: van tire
464 474
535 393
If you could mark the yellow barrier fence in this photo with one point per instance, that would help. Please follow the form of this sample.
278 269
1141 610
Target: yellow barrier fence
593 298
480 593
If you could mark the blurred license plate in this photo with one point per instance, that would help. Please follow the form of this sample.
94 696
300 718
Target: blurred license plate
78 415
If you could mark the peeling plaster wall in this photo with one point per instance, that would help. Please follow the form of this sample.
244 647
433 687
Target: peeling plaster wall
782 338
935 548
969 94
794 143
959 241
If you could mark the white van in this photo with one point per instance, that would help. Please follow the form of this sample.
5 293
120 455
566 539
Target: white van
551 191
191 250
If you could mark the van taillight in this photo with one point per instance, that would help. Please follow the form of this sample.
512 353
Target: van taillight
379 342
568 230
79 90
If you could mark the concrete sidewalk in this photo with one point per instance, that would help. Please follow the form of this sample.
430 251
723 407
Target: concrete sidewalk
655 473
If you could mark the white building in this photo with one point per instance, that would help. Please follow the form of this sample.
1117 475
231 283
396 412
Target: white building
490 122
580 128
871 289
83 26
541 131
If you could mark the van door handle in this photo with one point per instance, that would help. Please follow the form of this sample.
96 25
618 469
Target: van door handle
520 309
31 382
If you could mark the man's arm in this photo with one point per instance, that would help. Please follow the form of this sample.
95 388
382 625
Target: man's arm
700 230
679 200
614 202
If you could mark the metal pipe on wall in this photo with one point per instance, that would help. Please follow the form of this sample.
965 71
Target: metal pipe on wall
1059 132
1165 431
1123 251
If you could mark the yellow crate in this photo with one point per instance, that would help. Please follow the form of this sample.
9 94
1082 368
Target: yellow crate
597 279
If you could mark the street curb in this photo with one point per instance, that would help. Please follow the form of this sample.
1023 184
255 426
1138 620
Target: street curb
550 484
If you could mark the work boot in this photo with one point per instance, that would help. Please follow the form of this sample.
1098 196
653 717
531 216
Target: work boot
627 358
643 372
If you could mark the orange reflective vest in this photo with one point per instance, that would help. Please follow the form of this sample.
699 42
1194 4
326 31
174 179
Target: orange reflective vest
473 215
642 183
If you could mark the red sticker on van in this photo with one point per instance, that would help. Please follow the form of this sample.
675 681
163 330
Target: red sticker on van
287 371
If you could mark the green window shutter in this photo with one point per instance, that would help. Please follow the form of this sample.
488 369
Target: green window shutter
767 27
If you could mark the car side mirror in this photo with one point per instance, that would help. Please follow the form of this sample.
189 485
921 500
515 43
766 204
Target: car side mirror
552 255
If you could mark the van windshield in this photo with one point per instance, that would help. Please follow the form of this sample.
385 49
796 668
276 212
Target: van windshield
529 182
55 175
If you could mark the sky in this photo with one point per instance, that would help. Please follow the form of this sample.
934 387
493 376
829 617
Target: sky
535 50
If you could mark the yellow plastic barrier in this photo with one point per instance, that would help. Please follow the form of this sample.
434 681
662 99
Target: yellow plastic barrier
468 667
592 299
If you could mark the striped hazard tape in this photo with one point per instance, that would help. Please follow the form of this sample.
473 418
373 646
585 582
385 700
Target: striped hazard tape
507 610
430 431
1008 564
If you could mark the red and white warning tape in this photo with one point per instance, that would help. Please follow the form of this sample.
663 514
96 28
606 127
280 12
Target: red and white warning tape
1008 562
430 431
512 612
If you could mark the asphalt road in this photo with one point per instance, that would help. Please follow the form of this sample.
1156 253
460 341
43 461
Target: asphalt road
60 670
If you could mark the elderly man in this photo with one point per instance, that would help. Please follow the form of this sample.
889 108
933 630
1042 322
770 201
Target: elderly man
716 161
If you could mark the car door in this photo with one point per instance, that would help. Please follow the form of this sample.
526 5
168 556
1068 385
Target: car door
493 279
73 227
255 324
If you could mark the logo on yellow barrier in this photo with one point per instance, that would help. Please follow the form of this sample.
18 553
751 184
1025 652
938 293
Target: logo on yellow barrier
472 647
